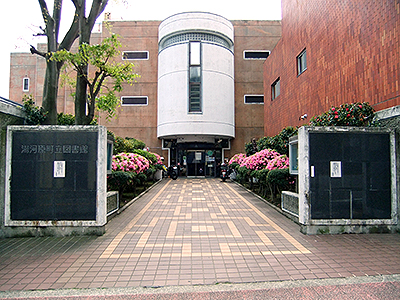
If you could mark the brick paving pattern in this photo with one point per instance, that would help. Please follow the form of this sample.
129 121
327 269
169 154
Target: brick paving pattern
193 232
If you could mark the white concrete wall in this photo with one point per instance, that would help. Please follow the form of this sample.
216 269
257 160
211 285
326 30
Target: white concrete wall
194 21
217 116
172 89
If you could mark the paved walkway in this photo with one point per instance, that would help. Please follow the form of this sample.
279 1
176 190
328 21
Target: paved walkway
193 232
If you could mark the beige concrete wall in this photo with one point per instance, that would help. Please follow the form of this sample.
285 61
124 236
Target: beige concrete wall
139 122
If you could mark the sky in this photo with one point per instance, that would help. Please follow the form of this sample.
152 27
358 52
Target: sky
21 19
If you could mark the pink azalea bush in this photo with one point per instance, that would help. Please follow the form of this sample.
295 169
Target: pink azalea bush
269 167
130 162
259 160
237 159
264 159
279 162
159 161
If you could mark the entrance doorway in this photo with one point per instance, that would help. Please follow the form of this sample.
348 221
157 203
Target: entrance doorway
201 163
196 159
195 163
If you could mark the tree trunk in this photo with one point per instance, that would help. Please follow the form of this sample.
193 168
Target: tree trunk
81 97
50 91
85 29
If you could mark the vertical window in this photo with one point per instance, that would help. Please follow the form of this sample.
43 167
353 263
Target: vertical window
302 62
195 77
276 89
195 53
25 84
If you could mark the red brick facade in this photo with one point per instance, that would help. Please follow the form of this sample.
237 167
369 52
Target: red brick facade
353 55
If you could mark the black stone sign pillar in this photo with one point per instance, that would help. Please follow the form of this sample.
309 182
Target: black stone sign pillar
348 180
57 176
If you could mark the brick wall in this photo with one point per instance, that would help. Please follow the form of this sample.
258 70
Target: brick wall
26 65
250 35
352 55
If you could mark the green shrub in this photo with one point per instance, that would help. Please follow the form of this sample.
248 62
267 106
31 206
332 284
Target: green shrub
279 142
281 178
120 181
234 166
128 145
354 114
125 182
65 119
261 175
35 115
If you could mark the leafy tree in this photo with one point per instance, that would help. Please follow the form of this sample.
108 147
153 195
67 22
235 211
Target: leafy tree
81 94
97 94
51 31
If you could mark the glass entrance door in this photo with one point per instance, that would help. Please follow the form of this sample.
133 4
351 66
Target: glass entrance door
196 163
210 163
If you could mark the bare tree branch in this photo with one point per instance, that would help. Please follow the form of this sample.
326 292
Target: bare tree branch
75 3
35 51
43 33
57 16
98 7
72 33
45 14
100 84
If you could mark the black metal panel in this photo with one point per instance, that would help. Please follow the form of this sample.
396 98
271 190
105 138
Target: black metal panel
36 194
363 191
319 208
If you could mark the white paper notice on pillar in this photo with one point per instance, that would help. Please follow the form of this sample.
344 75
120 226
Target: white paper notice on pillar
336 169
59 169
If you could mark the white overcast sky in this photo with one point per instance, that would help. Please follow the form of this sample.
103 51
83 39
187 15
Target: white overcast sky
21 19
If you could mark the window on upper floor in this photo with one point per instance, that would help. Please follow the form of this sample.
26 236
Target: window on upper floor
256 54
301 62
195 105
276 89
135 55
25 84
254 99
134 100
